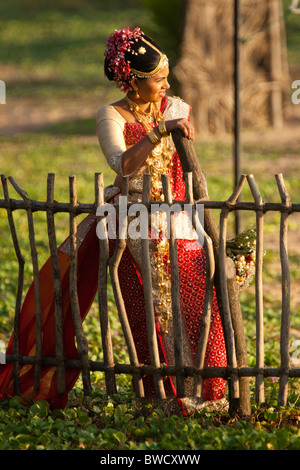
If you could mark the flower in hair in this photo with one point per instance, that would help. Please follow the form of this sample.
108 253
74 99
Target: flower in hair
117 44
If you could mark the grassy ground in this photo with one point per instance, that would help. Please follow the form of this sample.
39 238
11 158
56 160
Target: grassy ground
51 60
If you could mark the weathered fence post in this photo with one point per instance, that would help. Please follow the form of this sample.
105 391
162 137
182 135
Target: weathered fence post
21 263
208 301
260 395
113 268
82 343
227 272
285 314
147 281
108 356
37 293
58 303
190 163
177 326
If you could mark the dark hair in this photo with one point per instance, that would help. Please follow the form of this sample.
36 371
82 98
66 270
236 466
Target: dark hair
145 62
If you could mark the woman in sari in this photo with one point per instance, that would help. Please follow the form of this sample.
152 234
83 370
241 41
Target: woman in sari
134 135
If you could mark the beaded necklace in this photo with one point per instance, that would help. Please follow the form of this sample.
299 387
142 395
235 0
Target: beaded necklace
154 115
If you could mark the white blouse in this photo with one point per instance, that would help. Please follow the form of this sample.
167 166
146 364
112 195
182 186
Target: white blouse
110 127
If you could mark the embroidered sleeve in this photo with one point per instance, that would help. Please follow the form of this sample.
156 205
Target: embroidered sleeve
177 108
110 125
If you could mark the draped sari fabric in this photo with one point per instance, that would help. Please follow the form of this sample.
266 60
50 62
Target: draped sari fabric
87 287
192 266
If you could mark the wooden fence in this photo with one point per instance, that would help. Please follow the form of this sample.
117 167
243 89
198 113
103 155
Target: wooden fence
231 372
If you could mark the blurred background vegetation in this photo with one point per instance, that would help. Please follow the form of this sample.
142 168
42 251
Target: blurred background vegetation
58 47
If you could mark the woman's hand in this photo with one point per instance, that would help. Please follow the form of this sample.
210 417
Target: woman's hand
134 157
182 124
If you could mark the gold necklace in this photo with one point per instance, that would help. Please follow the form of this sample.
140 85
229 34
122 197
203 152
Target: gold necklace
134 107
153 116
141 116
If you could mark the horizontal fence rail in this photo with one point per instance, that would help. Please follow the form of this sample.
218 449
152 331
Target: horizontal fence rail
156 369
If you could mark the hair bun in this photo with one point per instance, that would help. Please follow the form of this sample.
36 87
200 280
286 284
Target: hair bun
130 53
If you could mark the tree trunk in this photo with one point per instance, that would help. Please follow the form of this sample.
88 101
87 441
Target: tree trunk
206 65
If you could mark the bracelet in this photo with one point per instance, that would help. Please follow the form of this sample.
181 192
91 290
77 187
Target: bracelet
162 128
153 138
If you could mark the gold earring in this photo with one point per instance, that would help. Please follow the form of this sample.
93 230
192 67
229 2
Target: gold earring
137 94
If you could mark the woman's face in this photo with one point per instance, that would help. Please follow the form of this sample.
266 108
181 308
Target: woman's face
153 89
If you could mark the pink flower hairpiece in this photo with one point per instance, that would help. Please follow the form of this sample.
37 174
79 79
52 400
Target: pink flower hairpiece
117 44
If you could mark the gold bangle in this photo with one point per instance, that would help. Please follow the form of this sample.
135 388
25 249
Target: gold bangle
162 128
153 138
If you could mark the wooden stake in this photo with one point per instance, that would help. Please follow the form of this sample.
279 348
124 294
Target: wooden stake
21 263
285 314
209 282
108 355
150 319
58 306
113 268
176 313
228 328
260 395
34 257
82 344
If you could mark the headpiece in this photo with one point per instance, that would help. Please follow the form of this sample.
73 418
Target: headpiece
119 50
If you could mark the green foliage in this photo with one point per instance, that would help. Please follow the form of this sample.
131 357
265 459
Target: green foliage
168 22
166 28
58 47
114 423
292 24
